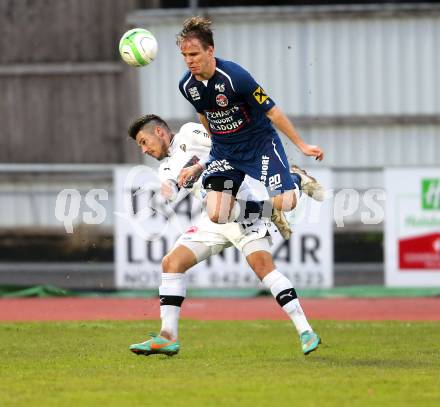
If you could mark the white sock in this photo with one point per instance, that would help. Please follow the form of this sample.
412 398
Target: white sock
172 292
283 291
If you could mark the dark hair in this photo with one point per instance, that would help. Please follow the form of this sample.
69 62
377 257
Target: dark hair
143 121
197 27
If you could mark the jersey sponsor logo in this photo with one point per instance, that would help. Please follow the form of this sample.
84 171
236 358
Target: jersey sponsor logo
220 114
227 127
225 121
219 87
222 100
218 166
205 134
194 93
260 95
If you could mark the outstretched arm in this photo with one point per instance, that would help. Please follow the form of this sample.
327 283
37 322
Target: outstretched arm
189 175
282 122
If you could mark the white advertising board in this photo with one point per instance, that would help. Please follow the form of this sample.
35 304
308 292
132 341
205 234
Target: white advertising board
144 236
412 227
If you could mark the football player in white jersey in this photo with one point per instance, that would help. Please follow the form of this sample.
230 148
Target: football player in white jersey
190 145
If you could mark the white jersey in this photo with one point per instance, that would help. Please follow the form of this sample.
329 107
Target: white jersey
191 144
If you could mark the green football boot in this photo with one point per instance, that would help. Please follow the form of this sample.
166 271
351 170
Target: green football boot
309 341
157 344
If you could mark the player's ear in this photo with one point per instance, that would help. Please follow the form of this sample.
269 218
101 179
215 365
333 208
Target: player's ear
160 132
210 50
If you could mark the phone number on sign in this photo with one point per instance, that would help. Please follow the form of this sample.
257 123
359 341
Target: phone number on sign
233 279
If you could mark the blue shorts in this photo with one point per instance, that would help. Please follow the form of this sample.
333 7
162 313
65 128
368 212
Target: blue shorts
269 166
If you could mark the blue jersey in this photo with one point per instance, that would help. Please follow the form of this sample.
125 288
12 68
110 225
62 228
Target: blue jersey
235 107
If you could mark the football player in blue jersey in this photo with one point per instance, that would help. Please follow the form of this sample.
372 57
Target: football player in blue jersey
240 116
204 238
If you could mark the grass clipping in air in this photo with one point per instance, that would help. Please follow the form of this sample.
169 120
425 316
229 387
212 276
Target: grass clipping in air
256 363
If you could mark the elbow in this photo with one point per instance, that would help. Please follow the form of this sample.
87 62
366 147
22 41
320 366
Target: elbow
272 113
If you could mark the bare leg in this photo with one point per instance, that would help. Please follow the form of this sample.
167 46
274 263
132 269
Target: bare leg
178 260
261 263
219 206
285 201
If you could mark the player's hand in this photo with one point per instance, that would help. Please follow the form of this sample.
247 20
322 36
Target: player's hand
314 151
168 190
189 175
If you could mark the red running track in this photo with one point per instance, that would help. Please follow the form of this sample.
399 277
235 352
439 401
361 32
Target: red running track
81 309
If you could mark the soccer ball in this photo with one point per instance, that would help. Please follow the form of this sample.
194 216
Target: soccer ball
138 47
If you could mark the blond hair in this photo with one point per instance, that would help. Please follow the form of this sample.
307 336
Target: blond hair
197 27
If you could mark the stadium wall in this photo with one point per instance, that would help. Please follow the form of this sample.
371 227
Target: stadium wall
65 95
359 80
73 106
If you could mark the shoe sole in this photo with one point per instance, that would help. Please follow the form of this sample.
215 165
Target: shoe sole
311 187
282 225
152 352
314 190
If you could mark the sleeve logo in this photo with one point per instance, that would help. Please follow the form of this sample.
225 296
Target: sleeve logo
194 93
260 95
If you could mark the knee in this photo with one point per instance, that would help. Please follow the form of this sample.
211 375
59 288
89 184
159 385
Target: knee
218 217
285 202
215 217
263 269
171 264
263 266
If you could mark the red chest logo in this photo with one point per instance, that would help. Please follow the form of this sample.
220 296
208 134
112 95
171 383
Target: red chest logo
221 100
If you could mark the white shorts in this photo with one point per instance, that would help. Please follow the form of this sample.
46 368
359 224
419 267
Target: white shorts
207 238
202 251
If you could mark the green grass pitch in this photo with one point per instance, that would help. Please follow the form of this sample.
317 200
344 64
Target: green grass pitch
246 363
